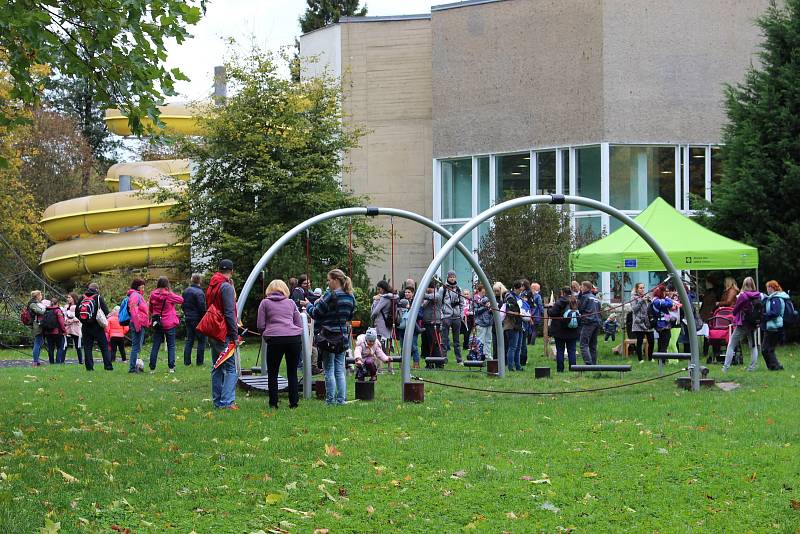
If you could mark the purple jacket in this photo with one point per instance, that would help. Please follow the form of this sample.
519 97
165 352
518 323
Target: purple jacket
741 305
278 316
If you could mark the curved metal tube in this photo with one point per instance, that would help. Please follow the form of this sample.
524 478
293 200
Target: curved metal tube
562 199
374 211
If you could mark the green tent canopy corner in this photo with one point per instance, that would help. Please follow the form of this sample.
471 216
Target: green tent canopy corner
689 245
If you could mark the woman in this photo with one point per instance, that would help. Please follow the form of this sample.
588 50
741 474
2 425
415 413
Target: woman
140 314
281 327
73 325
54 329
774 306
164 321
662 308
500 291
410 322
747 302
728 299
560 327
640 326
332 312
383 313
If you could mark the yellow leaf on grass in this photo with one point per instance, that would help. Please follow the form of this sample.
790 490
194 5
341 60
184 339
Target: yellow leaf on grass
589 474
68 478
273 498
331 450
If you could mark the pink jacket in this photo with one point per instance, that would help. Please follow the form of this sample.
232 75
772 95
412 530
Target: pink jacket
71 321
364 351
162 302
140 313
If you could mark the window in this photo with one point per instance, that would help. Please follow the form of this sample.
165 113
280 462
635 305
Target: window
587 163
588 229
513 176
483 184
639 174
546 173
565 172
457 188
716 168
456 261
697 174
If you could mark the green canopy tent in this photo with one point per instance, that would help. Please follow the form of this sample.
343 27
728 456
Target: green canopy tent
689 245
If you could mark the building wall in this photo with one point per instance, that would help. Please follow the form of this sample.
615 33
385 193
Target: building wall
515 74
321 51
386 81
665 65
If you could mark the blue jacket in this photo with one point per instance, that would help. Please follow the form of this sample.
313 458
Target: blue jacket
589 308
774 307
194 303
333 310
483 315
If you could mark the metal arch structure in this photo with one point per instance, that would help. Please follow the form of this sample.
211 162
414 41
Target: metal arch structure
694 368
372 211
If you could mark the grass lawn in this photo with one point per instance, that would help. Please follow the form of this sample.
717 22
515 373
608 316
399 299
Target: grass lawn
109 450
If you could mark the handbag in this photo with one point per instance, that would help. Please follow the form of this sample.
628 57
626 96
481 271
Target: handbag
213 325
330 341
155 320
101 318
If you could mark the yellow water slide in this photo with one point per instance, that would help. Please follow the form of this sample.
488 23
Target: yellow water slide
123 229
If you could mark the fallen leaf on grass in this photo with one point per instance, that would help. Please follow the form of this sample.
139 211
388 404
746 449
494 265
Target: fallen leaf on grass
521 451
3 476
331 450
298 512
459 474
550 507
530 479
370 510
795 504
291 486
273 498
68 478
265 439
321 531
511 515
50 527
589 474
121 530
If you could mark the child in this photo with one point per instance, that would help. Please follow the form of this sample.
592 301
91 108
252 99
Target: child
483 319
367 350
475 350
116 335
610 328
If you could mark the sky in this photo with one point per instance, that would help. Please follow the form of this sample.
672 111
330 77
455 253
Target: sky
271 24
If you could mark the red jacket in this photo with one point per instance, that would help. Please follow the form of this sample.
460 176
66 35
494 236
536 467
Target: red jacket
114 328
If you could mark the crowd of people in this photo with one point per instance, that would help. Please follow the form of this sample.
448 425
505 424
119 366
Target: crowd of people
452 318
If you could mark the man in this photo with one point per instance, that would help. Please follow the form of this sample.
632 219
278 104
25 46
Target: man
432 324
222 294
36 310
513 322
302 294
452 309
92 331
194 307
590 322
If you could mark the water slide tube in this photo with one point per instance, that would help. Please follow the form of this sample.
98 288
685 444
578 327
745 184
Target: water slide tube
120 229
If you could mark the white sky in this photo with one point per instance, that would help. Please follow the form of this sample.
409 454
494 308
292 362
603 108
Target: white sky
272 24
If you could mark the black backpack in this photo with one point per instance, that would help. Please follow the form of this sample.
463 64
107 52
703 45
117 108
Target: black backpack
652 315
754 313
790 315
392 319
49 320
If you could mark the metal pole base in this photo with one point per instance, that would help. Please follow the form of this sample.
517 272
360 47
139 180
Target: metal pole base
414 392
319 389
492 367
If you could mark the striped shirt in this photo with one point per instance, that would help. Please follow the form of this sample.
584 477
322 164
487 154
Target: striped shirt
333 311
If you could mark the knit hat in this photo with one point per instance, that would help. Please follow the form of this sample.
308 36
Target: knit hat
403 303
450 273
318 291
371 335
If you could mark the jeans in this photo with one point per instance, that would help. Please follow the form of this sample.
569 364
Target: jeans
76 342
414 344
223 378
117 343
137 340
663 339
589 343
38 341
452 324
334 378
484 334
94 334
513 350
741 333
191 335
607 335
277 347
562 344
651 340
55 343
158 338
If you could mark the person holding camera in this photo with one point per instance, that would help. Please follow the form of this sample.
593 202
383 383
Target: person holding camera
641 326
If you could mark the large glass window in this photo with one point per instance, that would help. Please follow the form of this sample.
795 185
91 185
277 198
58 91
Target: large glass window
716 168
588 229
546 173
513 176
697 174
639 174
456 261
565 172
587 170
483 184
456 188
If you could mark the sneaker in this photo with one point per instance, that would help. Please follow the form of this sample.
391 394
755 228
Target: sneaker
172 370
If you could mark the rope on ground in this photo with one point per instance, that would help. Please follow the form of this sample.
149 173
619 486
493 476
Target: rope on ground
545 393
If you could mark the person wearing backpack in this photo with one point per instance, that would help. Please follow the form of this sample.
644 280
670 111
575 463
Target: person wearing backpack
591 322
513 320
73 325
431 325
138 319
660 317
640 325
54 329
564 327
775 308
748 312
452 311
384 313
94 330
221 296
194 307
31 316
163 321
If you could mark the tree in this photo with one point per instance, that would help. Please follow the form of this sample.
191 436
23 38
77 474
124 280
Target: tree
320 13
271 158
117 47
756 201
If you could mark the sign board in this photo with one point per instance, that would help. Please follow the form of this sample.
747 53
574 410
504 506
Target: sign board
631 264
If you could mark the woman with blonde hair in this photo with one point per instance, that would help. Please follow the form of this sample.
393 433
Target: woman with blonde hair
281 327
746 319
730 293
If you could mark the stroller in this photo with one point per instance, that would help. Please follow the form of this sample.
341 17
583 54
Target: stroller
720 327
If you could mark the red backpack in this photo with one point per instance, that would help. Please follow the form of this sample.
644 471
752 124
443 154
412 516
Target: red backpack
87 309
26 317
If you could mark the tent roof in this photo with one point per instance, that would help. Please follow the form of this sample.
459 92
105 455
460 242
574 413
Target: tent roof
689 245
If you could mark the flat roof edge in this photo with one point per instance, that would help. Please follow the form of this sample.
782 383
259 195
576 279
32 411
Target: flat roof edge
464 3
386 18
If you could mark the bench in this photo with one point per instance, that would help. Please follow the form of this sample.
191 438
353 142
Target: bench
662 357
436 360
474 363
614 368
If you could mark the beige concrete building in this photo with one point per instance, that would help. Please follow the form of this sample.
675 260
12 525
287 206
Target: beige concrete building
486 100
